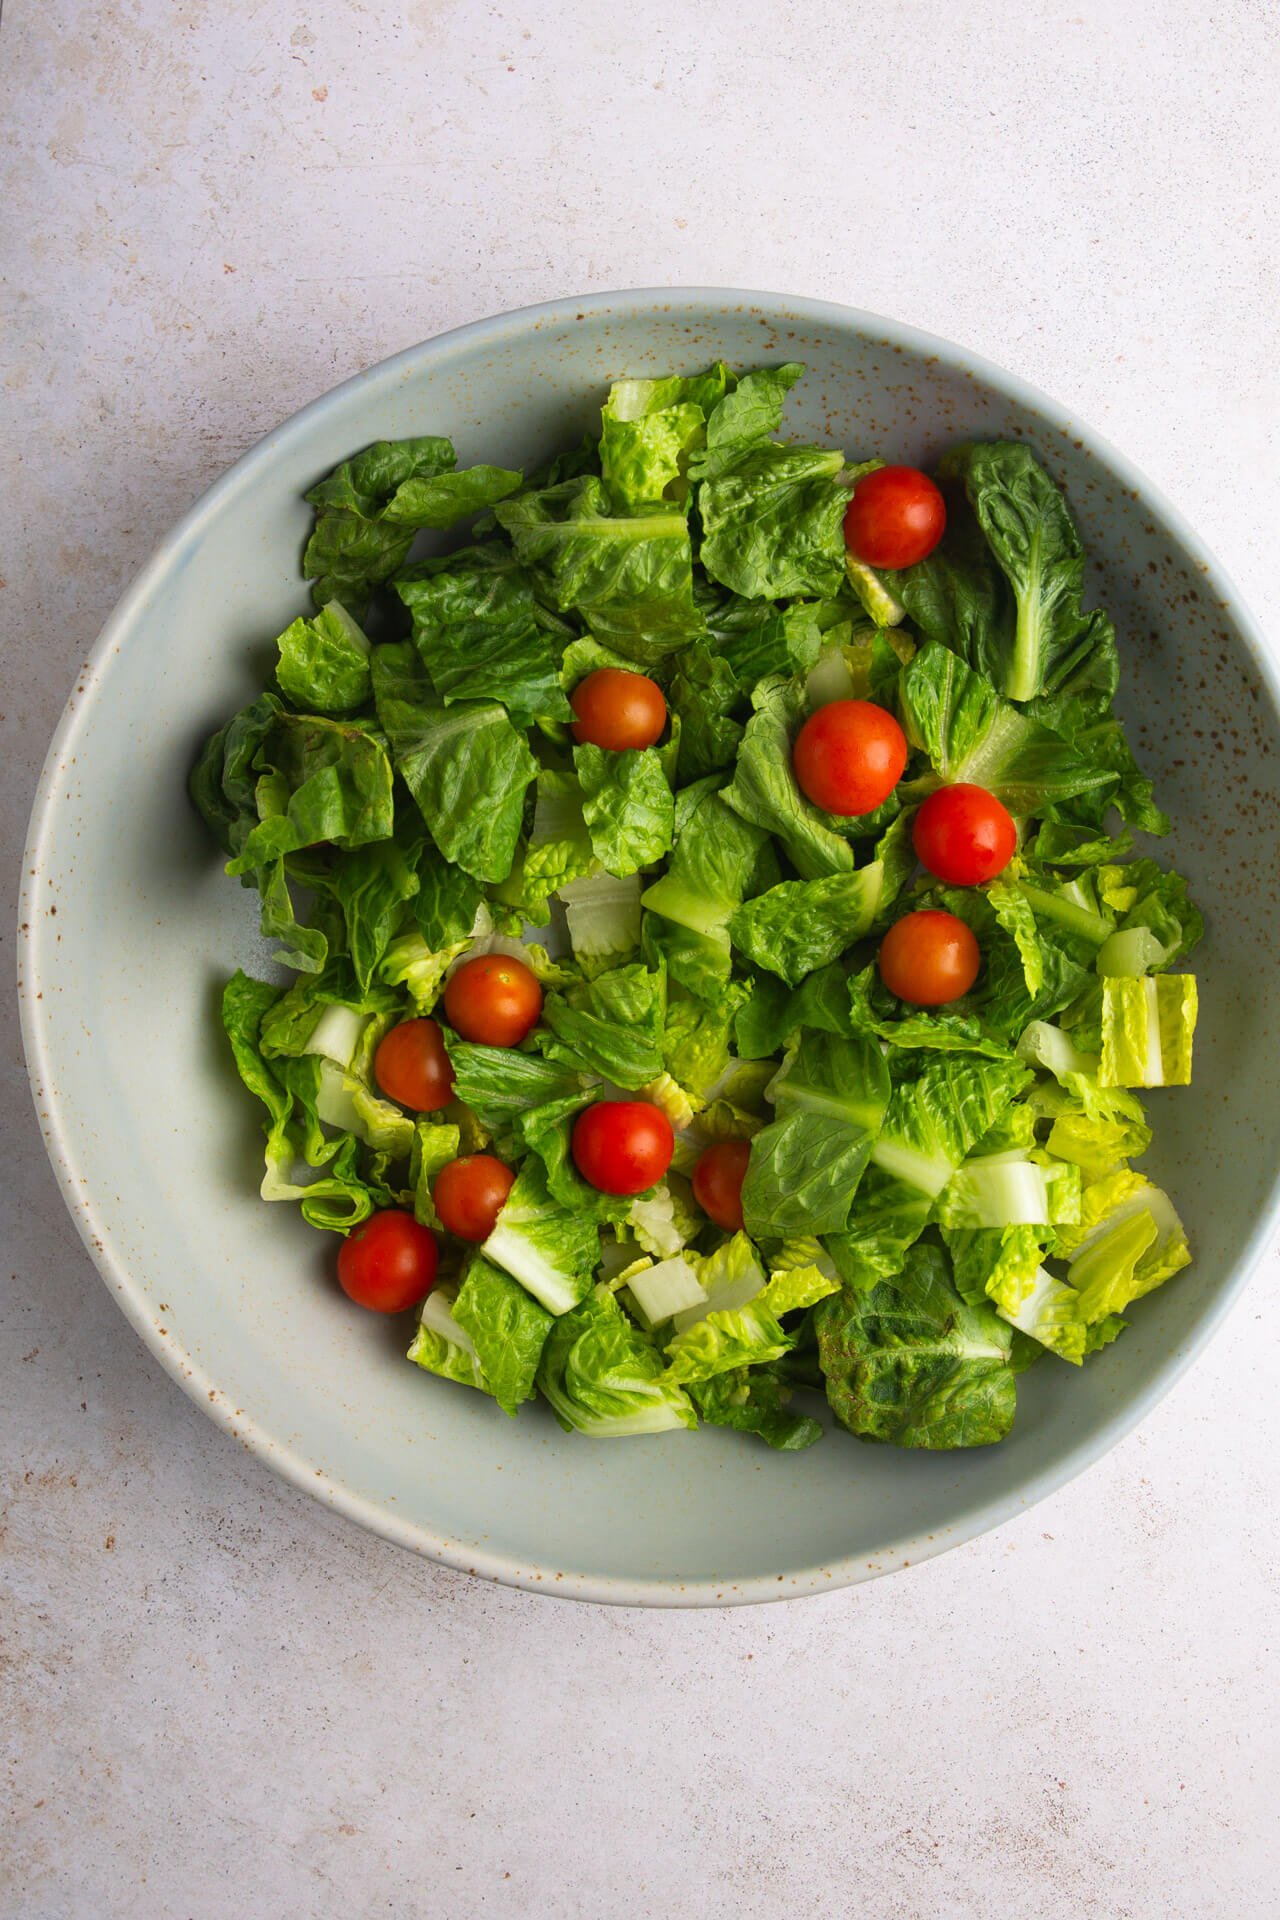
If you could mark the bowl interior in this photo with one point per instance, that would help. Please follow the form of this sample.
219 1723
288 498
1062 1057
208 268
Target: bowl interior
132 928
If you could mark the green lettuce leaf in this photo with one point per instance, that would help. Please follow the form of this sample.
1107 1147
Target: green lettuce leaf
482 635
829 1099
802 924
604 1378
908 1361
704 692
466 766
650 429
971 735
1051 642
550 1249
932 1121
628 576
764 789
324 663
755 1400
772 521
508 1329
498 1083
627 806
442 1345
369 509
709 874
611 1026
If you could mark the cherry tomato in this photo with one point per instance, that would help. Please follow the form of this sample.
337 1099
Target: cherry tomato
964 835
617 709
469 1194
493 999
717 1182
896 517
849 756
929 957
622 1146
412 1067
388 1262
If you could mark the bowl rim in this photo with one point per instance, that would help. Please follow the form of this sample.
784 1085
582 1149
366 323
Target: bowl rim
129 1291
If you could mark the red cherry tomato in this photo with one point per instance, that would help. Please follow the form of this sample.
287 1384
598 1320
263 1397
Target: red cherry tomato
469 1194
388 1263
896 517
964 835
717 1182
929 957
412 1067
494 1000
849 756
622 1146
616 709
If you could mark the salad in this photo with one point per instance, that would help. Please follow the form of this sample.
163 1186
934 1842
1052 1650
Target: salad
721 964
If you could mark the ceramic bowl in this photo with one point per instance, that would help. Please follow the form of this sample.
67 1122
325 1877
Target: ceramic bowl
130 927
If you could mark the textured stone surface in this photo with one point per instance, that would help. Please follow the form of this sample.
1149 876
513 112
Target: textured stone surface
220 1701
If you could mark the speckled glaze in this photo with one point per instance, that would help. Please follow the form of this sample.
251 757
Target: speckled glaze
129 928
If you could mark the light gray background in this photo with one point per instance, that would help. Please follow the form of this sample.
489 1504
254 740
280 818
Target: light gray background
219 1701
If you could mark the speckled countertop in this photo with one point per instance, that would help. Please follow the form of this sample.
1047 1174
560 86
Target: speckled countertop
219 1701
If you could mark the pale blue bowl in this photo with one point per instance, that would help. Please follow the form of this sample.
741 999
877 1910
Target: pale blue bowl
130 927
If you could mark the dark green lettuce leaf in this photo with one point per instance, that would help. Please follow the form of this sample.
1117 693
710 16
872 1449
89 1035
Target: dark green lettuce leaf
704 692
466 766
629 576
755 1400
482 634
369 509
772 521
775 1012
908 1362
498 1083
802 924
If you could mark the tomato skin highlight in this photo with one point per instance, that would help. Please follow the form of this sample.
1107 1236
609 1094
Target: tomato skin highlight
469 1194
849 756
494 1000
622 1146
964 836
929 958
616 709
411 1066
717 1182
896 517
388 1263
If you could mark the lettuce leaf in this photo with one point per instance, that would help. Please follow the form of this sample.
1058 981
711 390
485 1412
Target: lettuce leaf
603 1377
829 1099
550 1249
628 576
465 765
611 1026
800 925
627 806
370 508
907 1361
709 874
482 635
324 663
1147 1030
508 1330
764 790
